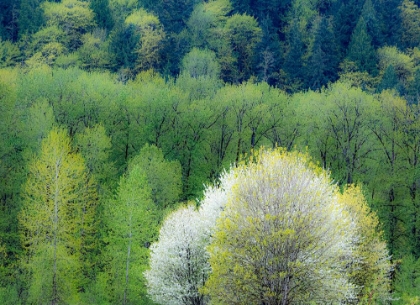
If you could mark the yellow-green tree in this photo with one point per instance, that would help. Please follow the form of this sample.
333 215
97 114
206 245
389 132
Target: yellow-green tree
370 267
410 16
74 17
57 222
151 38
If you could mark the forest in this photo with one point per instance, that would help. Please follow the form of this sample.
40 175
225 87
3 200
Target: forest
117 114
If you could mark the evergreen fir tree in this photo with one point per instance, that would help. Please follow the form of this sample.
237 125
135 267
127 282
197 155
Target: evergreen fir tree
9 12
30 17
293 60
269 53
102 12
369 14
345 18
389 79
361 51
124 42
323 61
242 6
390 21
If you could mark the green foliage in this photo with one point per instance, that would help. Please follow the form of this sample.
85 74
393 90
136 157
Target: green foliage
56 222
389 79
124 42
201 63
9 296
132 220
74 17
95 147
371 268
64 55
408 281
163 177
403 64
370 15
102 11
94 52
410 14
9 54
293 62
8 20
339 117
361 50
50 34
151 36
244 35
322 61
12 174
30 16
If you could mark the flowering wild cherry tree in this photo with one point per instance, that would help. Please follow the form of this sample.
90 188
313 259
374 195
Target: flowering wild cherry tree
275 231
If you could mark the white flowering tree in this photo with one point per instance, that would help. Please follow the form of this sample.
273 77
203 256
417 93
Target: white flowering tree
179 264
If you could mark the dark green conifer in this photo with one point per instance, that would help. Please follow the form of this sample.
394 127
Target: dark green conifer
124 42
293 60
30 17
361 51
389 79
103 16
370 15
323 61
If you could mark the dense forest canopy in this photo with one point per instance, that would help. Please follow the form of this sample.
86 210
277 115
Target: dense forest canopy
115 112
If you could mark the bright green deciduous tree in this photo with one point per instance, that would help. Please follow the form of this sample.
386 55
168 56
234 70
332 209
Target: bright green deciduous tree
9 54
95 147
132 221
74 17
407 283
163 176
403 64
94 52
151 37
57 222
201 63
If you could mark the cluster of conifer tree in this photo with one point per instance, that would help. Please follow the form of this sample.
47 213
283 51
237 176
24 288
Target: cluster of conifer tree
114 111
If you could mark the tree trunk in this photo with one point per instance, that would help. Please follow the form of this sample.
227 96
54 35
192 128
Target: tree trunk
127 263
